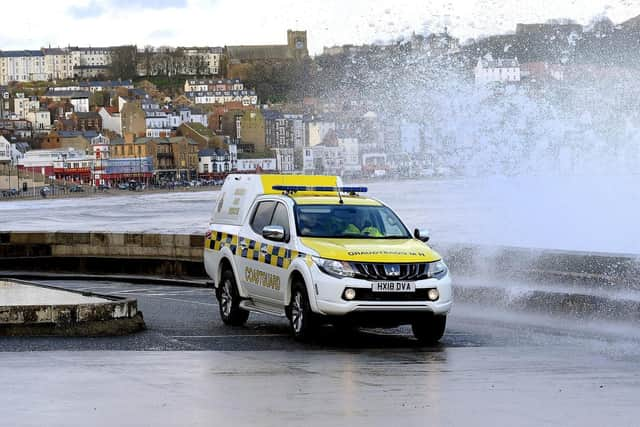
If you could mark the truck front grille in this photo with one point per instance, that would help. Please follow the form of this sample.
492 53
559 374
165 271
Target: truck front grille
375 271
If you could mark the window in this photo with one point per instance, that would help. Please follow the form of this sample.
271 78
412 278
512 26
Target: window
281 218
347 221
262 217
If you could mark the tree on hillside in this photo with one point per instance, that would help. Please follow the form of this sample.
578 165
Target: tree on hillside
124 62
147 60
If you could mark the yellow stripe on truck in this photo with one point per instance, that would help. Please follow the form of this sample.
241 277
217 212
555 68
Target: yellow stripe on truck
277 256
372 250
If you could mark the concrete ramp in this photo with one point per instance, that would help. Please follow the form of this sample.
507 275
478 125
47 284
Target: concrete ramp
32 309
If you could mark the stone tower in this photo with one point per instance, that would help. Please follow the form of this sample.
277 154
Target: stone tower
297 43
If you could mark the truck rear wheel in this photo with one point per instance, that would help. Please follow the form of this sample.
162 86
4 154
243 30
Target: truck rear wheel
429 329
301 319
229 301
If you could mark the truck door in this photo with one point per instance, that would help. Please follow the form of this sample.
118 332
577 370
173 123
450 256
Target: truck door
261 260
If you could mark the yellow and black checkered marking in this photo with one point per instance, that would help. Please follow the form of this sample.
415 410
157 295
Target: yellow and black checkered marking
219 240
276 256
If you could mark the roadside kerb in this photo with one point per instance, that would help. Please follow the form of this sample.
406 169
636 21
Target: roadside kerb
113 316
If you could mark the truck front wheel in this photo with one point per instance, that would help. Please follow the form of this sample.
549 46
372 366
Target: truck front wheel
429 329
229 301
301 318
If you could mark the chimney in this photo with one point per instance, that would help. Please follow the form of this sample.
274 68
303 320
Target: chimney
128 138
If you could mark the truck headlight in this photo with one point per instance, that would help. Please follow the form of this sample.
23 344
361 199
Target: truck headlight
437 269
334 268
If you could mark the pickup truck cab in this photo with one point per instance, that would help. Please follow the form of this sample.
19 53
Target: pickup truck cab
310 249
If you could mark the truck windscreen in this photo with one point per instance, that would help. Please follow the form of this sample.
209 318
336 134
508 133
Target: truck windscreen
348 221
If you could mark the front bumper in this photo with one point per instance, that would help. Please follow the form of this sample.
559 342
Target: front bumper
329 300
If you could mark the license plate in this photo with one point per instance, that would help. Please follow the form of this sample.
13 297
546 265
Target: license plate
393 287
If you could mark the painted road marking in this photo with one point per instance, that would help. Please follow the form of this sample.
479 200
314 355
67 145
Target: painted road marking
230 336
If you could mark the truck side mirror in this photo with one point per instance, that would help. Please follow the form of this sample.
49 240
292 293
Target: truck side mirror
422 234
273 232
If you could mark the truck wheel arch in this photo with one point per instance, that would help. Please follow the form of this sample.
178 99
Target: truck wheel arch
227 263
297 275
223 265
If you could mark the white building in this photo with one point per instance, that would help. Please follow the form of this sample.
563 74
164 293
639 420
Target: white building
111 121
323 159
214 161
329 158
100 145
212 85
284 160
43 161
16 154
58 64
157 123
489 70
95 86
318 130
40 120
79 99
351 152
22 106
90 56
261 164
5 104
245 97
201 60
188 115
22 66
186 60
5 150
53 63
90 62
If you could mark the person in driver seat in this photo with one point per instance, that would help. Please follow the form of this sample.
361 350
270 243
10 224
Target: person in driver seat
311 225
370 231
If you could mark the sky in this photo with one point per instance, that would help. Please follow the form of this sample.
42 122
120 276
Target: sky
31 24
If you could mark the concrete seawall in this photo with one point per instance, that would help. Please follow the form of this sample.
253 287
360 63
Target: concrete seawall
180 255
103 253
574 283
569 267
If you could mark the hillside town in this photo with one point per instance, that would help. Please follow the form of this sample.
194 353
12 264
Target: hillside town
103 117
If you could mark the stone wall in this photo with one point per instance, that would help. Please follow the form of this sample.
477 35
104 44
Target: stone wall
103 253
181 255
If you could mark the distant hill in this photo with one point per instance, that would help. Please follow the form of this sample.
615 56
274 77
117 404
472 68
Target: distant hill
631 24
604 45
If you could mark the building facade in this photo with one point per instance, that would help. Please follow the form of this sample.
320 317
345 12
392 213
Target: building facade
286 136
489 70
58 64
5 151
22 66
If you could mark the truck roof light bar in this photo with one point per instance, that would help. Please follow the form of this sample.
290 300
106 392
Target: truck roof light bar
294 188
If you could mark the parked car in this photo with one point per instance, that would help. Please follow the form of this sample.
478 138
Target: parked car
135 185
123 186
10 193
76 189
103 187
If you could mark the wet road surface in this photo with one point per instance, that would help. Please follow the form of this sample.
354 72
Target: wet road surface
189 369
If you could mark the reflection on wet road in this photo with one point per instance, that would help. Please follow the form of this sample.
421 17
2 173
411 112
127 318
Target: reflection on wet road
490 369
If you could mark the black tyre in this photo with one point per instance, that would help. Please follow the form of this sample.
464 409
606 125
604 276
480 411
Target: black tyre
301 318
429 329
229 301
